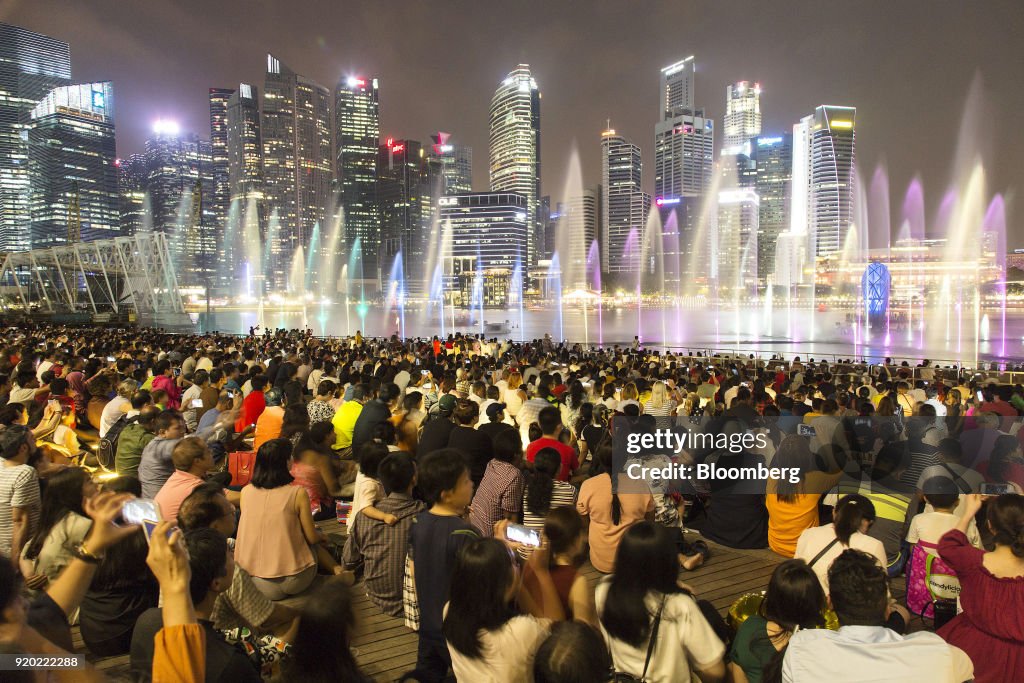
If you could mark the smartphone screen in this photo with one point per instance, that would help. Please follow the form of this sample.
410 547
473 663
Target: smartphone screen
197 403
989 489
142 511
980 396
423 372
805 430
521 534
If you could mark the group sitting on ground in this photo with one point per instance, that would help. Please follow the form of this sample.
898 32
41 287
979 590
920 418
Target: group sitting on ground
475 479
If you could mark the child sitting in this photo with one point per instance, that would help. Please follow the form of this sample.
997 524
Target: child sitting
368 489
927 528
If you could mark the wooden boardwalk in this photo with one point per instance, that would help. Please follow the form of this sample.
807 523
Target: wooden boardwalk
386 649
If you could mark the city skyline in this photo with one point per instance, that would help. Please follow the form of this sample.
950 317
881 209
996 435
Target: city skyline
914 128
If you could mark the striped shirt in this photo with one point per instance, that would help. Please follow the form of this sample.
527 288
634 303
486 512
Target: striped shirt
19 488
562 495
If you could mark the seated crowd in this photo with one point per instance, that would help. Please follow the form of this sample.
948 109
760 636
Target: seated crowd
475 478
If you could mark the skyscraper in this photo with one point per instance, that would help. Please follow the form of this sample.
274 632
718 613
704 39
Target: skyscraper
624 206
247 208
179 175
456 163
357 140
219 158
132 174
31 65
296 165
734 245
676 93
742 120
578 221
832 177
71 161
515 146
683 164
405 209
773 160
489 241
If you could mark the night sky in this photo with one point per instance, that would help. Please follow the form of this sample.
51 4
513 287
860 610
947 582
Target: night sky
907 65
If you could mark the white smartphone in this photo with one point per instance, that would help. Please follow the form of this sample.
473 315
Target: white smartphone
197 403
142 511
518 533
990 489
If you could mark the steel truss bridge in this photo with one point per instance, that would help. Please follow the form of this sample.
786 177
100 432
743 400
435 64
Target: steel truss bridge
129 277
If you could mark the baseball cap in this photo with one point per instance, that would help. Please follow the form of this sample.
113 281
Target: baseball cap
494 409
446 403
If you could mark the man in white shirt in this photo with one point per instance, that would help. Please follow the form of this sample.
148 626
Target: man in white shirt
863 649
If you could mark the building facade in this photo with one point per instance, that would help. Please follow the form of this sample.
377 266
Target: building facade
677 88
403 190
489 244
579 219
31 65
742 120
219 98
133 205
296 165
624 205
734 253
179 188
514 145
773 161
456 163
72 166
357 140
832 174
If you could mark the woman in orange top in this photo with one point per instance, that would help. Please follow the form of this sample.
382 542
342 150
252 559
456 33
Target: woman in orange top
793 507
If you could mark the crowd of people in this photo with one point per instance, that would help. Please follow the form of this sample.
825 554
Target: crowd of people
476 477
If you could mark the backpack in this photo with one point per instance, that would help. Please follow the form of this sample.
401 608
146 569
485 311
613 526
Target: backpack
930 580
108 443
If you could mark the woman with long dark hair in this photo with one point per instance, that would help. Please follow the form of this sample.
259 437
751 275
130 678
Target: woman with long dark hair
794 600
990 629
317 470
543 491
295 422
644 602
488 639
819 546
793 506
567 542
608 512
63 524
321 651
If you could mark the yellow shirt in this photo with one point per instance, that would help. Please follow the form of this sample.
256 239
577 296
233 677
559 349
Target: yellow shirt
344 422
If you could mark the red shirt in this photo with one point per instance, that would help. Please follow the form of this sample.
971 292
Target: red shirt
252 407
570 461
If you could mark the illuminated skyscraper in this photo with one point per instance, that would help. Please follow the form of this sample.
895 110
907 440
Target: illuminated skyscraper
676 92
244 149
742 119
219 159
31 65
403 190
296 164
773 160
578 221
357 140
734 241
178 175
456 163
832 176
72 170
683 164
515 146
624 206
132 173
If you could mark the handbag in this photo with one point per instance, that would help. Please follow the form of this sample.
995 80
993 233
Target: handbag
623 677
241 465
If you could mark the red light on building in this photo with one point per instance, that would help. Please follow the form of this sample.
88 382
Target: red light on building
390 142
397 148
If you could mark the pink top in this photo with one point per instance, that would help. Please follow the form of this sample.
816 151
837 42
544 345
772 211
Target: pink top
270 543
308 477
174 491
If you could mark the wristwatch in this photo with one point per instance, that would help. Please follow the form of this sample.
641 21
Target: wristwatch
79 551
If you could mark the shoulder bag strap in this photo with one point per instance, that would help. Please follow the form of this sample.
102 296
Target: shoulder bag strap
957 479
823 551
654 639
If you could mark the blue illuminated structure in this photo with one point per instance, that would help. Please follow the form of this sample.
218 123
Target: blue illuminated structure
876 284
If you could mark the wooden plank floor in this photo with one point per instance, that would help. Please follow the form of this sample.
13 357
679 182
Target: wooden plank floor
386 649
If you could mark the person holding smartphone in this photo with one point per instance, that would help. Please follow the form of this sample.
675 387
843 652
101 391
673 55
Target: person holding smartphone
989 629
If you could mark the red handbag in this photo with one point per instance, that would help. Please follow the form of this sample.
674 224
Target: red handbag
241 465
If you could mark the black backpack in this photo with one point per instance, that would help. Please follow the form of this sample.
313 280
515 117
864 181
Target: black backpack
108 443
